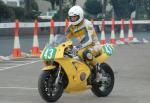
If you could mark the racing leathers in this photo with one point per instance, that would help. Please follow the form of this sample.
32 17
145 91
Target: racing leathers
86 37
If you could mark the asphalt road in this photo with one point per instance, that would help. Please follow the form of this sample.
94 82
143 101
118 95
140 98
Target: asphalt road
131 64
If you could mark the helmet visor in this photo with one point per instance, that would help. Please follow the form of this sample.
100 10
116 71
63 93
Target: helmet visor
74 18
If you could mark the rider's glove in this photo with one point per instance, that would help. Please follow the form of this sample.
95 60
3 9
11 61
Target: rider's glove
78 47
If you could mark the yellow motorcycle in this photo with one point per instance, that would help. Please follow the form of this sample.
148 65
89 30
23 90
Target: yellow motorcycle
65 71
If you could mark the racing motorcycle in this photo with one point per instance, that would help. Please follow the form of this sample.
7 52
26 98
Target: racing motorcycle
66 71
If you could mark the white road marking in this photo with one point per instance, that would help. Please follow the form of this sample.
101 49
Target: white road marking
6 65
9 64
17 61
33 58
23 88
19 65
3 68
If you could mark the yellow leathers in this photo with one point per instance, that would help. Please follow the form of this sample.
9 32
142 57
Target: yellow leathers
85 35
83 32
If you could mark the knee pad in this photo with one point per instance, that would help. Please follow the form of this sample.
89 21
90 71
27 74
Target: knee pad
87 55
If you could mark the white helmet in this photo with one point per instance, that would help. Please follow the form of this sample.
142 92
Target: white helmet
76 11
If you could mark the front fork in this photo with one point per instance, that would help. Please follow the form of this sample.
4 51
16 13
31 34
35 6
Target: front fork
96 74
58 78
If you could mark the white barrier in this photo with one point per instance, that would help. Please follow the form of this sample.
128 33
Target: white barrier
29 24
125 22
47 24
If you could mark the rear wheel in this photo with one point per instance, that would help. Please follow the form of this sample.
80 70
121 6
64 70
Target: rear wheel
104 86
47 88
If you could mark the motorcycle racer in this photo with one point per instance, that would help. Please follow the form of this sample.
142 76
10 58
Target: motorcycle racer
83 31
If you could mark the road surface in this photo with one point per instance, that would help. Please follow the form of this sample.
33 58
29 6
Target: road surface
131 64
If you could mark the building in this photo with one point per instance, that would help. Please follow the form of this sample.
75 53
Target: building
14 3
45 5
80 2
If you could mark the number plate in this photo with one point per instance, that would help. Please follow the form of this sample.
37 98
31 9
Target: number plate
48 53
108 49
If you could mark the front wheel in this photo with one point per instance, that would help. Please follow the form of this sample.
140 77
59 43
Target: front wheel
48 91
104 86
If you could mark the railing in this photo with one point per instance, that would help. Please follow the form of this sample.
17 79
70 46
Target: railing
47 24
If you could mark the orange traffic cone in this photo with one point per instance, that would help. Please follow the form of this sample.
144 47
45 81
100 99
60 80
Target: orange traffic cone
16 50
112 39
52 37
103 40
122 39
132 39
130 33
35 49
66 25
